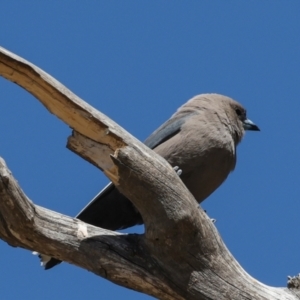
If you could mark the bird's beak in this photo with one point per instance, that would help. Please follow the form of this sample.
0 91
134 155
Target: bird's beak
249 125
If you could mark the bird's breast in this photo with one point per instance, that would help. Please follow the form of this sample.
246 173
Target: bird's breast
205 175
204 165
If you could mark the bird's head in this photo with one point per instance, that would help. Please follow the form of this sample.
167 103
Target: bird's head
237 115
222 113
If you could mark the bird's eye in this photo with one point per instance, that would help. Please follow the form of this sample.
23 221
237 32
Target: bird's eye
238 112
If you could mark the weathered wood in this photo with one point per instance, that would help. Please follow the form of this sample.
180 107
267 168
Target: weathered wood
181 255
121 258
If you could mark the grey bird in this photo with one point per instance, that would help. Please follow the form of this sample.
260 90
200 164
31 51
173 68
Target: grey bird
200 138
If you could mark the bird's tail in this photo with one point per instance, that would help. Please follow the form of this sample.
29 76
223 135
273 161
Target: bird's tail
109 210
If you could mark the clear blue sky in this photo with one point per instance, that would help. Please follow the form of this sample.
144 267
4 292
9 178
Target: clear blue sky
138 61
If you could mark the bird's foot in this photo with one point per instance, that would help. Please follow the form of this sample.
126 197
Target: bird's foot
213 220
177 170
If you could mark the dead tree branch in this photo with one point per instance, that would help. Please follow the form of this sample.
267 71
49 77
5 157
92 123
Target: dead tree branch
180 256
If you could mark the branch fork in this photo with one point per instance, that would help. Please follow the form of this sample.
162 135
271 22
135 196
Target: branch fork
180 256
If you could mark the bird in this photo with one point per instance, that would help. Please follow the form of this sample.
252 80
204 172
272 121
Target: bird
200 139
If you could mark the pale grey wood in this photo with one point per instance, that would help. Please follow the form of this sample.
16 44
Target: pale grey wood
180 256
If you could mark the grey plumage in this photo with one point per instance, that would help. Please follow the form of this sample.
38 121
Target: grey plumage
200 138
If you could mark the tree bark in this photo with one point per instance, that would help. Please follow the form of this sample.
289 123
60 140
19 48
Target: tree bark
180 256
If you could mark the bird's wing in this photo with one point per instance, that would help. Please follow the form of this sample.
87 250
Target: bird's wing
110 209
109 202
101 194
167 130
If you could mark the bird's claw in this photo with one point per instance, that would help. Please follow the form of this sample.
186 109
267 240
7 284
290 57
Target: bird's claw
212 220
177 170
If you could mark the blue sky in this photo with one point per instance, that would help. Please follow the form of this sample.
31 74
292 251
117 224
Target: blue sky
137 62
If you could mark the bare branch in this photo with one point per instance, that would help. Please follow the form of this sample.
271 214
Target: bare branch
181 255
102 140
121 258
